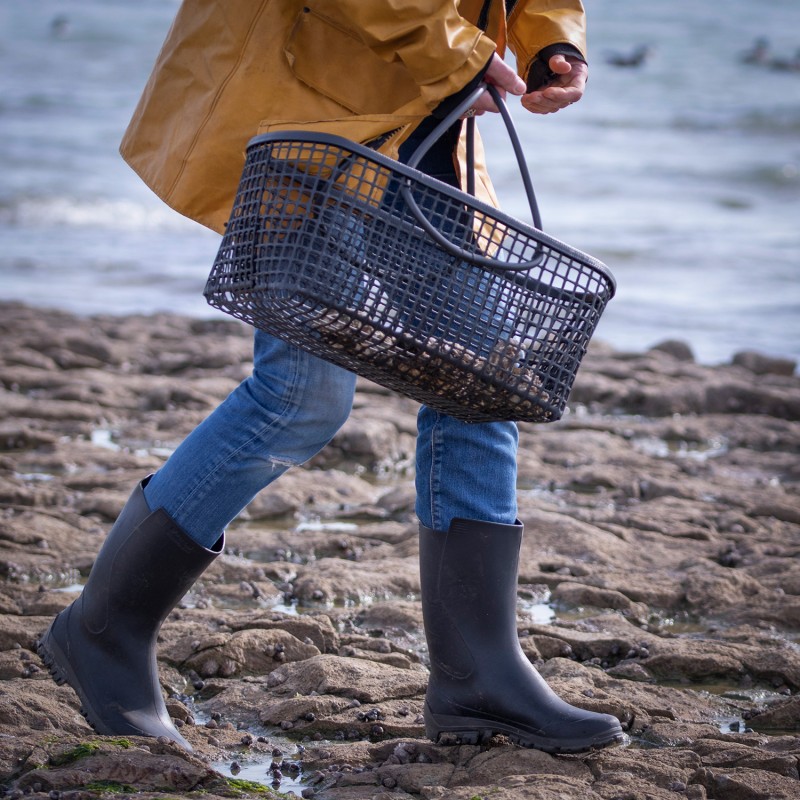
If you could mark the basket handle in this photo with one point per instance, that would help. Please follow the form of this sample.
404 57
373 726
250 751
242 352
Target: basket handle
429 141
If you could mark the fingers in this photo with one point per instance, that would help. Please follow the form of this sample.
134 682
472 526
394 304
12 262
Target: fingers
500 75
567 88
503 76
548 101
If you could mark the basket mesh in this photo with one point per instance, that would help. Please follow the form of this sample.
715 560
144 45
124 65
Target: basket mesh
324 249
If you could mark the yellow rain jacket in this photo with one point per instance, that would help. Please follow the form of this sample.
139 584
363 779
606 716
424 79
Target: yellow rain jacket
230 69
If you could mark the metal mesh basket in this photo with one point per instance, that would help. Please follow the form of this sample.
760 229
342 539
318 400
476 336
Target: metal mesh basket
400 278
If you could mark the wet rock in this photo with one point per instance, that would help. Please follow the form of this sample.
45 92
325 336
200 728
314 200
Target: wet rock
762 364
661 540
393 618
748 754
745 784
329 493
124 766
631 671
578 594
254 651
674 347
495 765
365 681
663 770
778 715
317 629
373 441
342 581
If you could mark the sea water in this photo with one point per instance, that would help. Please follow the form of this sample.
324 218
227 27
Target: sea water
682 174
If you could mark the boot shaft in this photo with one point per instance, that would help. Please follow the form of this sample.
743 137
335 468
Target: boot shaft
145 566
468 578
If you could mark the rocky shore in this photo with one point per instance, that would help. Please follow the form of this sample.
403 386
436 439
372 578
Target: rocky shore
660 580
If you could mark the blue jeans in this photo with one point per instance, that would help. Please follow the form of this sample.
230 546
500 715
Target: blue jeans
291 407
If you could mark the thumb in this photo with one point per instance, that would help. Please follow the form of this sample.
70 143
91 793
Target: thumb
504 77
559 64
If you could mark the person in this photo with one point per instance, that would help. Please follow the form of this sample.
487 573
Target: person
377 71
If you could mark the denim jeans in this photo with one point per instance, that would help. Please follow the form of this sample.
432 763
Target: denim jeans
291 407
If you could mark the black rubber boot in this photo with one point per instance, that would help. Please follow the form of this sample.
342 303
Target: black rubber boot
104 644
481 683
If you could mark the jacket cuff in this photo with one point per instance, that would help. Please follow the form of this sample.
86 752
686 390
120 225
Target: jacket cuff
539 72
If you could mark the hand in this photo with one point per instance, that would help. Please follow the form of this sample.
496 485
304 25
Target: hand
567 87
506 80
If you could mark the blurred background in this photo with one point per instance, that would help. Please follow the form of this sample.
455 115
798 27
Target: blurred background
680 169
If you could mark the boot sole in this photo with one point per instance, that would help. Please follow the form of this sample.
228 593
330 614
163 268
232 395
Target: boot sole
450 730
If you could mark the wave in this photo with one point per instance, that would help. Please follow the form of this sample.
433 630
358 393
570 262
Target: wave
775 122
71 212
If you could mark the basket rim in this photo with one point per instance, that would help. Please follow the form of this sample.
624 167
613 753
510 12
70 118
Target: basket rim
315 137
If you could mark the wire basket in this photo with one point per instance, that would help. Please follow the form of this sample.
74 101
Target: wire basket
406 281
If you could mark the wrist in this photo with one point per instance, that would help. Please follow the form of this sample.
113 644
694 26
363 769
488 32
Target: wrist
539 73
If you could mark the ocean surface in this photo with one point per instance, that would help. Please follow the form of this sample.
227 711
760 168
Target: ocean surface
682 174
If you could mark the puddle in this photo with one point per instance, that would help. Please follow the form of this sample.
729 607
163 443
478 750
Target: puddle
734 724
730 691
736 696
72 587
286 781
681 625
163 452
538 613
281 770
331 526
106 439
69 580
41 470
34 477
573 614
534 604
657 447
103 437
290 609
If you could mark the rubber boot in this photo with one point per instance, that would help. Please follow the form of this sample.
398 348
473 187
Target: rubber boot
104 644
481 683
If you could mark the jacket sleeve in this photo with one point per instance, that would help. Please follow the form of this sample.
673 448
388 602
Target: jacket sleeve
534 25
440 49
